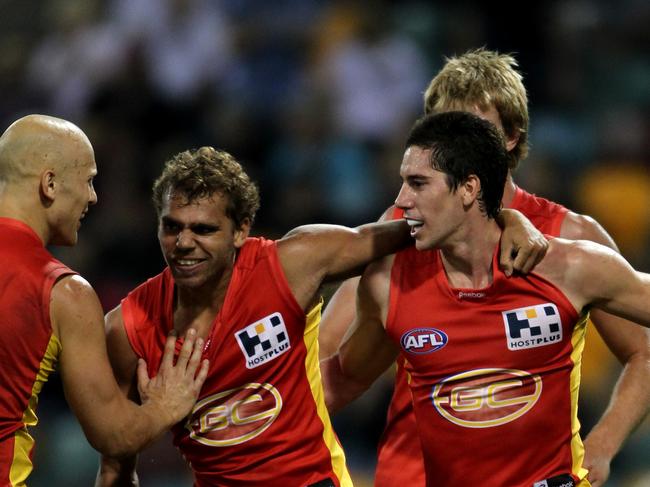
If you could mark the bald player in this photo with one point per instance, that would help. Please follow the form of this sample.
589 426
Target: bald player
50 317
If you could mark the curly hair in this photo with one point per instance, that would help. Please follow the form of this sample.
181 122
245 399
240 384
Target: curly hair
202 172
483 78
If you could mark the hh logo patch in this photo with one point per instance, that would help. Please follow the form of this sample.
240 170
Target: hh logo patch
560 481
263 340
532 326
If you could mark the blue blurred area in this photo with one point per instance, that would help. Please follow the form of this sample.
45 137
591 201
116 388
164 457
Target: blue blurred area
315 98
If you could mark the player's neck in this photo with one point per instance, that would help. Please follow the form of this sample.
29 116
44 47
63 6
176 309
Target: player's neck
468 259
197 307
509 191
31 217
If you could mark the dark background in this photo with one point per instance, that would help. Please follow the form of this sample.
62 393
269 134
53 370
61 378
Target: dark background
315 99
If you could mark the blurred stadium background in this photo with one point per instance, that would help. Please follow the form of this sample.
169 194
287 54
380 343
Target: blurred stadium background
315 98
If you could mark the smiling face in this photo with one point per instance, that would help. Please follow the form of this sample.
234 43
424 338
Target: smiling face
431 208
198 240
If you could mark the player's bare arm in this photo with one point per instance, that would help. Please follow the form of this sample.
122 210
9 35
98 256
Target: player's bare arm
112 424
313 254
630 344
120 472
522 247
337 317
592 275
366 351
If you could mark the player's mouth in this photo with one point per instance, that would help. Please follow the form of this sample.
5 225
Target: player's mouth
415 225
186 265
81 218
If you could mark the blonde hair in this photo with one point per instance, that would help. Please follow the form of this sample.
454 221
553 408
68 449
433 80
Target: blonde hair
484 78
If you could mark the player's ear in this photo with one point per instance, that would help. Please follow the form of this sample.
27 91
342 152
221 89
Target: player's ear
48 186
241 233
470 189
512 140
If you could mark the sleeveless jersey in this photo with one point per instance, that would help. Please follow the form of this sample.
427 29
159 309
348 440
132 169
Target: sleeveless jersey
260 419
494 375
29 350
399 460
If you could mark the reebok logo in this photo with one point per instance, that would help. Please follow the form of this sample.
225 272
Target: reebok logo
532 326
470 295
263 340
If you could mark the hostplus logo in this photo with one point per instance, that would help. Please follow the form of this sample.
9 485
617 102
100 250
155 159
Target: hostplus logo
532 326
263 340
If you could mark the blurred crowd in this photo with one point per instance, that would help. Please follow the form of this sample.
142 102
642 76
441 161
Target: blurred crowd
315 98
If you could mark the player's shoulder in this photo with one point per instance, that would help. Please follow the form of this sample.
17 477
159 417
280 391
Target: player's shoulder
566 255
113 319
584 227
74 288
73 301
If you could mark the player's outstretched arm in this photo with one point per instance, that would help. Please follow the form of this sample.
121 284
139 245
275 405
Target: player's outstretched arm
630 343
595 276
313 254
113 425
522 247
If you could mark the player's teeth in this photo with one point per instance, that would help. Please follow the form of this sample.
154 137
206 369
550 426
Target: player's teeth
413 223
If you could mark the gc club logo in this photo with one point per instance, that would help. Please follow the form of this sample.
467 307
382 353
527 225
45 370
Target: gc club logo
484 398
423 340
234 416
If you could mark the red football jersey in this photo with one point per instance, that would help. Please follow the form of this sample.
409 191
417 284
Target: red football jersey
29 350
399 460
261 417
494 374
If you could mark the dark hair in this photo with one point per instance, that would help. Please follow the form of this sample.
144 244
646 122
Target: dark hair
200 173
463 144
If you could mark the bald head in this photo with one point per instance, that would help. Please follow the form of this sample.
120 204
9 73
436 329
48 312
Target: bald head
46 169
37 142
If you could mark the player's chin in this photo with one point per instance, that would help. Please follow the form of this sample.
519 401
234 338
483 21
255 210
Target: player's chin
68 240
421 243
191 281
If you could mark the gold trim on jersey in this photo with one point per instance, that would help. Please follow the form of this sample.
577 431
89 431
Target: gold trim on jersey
577 448
312 367
21 465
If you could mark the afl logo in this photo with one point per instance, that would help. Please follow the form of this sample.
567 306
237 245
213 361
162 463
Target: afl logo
484 398
234 416
423 340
